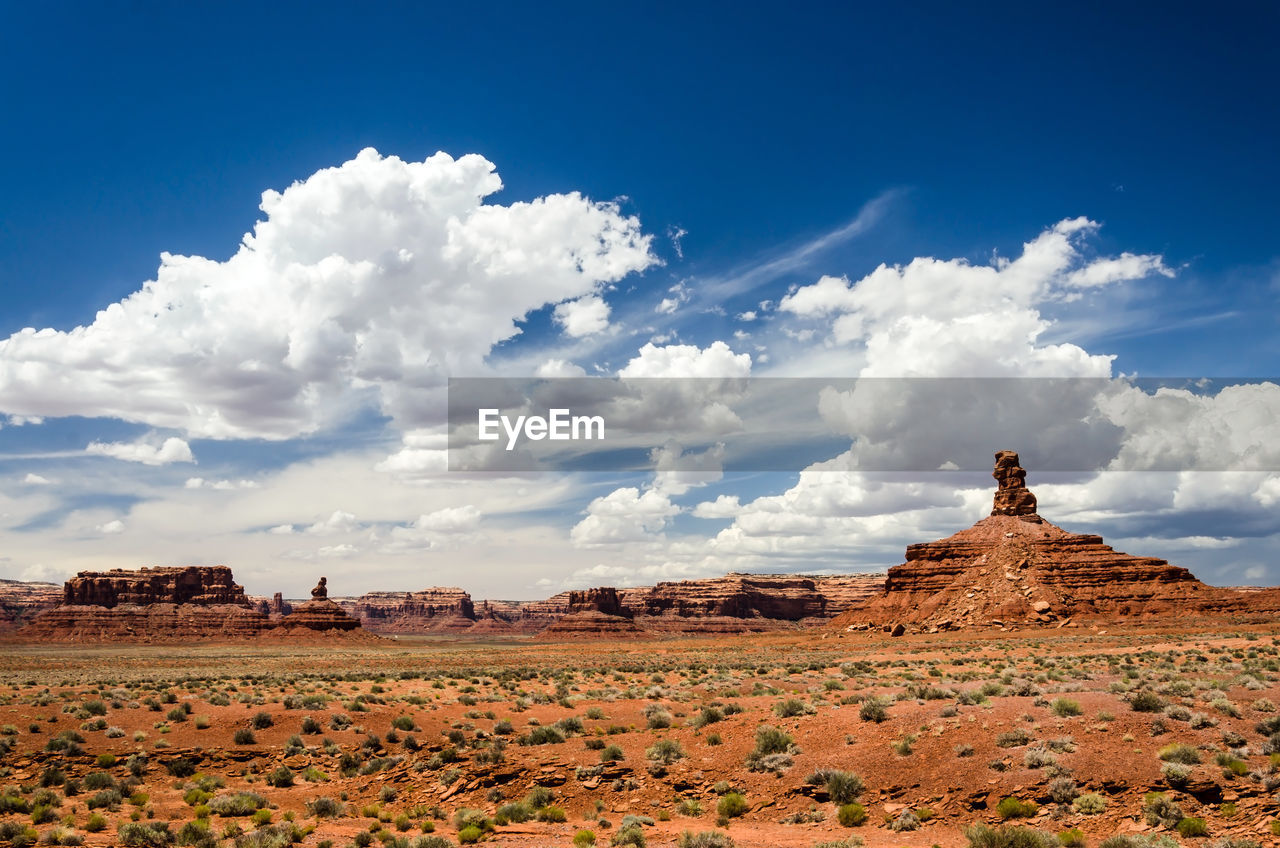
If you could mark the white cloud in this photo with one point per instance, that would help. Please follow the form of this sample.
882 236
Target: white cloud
219 485
624 515
447 527
724 506
338 522
559 368
111 527
364 285
716 360
171 450
678 471
941 318
33 479
679 295
585 316
1175 428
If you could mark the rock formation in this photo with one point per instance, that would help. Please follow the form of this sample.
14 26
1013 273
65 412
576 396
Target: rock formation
1012 495
192 603
735 603
594 612
1014 567
319 613
436 610
20 601
194 584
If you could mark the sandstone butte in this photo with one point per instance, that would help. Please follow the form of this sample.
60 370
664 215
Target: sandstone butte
174 605
594 613
1014 568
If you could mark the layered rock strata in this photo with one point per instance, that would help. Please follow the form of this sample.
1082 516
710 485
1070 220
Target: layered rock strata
1014 567
192 603
594 613
319 613
21 601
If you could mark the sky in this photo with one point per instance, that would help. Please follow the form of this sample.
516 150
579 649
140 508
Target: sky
243 248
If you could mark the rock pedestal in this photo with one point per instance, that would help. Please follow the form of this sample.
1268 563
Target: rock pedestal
320 613
1014 568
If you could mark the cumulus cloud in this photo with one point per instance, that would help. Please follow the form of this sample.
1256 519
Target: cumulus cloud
170 450
442 528
941 318
559 368
716 360
110 528
585 316
724 506
624 515
362 286
33 479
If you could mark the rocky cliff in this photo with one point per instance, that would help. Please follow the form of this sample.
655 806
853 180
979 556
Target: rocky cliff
192 603
594 613
1014 567
20 601
731 604
203 585
441 609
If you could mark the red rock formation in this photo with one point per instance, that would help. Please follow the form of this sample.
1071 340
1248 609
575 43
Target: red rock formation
193 603
435 610
1012 495
732 604
21 601
1014 567
739 603
145 623
319 613
194 584
593 613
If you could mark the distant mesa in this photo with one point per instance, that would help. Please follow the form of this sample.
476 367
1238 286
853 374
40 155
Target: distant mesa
20 602
735 603
594 613
1015 568
173 604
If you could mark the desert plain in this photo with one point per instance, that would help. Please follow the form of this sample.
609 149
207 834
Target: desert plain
1125 735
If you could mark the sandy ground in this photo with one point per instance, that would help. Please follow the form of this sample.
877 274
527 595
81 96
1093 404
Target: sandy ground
952 773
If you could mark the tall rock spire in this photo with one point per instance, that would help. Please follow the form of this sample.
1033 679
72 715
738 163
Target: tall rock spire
1012 496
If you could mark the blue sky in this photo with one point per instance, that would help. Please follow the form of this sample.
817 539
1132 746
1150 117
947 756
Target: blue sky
745 153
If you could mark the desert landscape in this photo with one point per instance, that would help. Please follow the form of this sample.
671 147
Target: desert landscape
1012 685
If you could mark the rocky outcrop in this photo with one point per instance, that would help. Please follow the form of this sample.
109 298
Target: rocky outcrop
1012 495
594 613
319 614
441 609
202 585
1014 567
146 623
21 601
746 602
733 604
277 607
193 603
